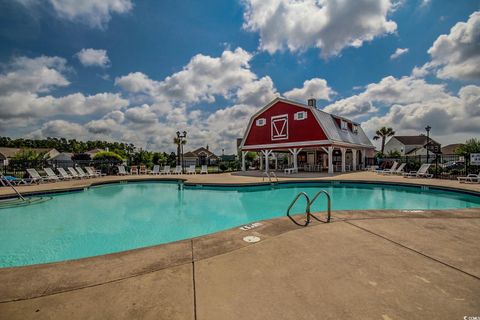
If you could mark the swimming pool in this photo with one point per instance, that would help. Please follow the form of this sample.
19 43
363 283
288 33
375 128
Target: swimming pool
119 217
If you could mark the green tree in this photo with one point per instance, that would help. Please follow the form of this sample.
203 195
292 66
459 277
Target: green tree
394 154
470 146
383 133
28 155
108 156
160 158
143 157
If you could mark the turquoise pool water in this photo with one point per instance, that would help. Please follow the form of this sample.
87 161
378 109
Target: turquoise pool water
120 217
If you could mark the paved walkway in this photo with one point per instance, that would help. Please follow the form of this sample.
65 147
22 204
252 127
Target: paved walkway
364 265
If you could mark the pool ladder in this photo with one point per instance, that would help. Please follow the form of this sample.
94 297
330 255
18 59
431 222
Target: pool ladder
308 214
14 189
269 175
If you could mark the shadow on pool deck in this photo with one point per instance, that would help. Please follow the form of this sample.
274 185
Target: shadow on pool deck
364 265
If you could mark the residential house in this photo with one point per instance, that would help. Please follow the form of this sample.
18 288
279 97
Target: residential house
200 156
412 145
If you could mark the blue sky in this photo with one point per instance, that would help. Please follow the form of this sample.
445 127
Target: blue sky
138 79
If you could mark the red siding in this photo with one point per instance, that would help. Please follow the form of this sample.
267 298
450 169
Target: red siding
298 130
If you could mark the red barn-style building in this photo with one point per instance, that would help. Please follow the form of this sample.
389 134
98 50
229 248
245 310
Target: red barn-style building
312 139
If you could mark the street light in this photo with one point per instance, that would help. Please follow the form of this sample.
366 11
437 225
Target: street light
428 128
181 137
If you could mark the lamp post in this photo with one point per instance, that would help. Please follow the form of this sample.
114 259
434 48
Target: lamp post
181 138
428 128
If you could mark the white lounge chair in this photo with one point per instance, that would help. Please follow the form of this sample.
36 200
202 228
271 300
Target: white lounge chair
399 170
204 169
92 172
191 169
470 178
391 169
97 173
82 173
166 170
35 176
155 170
178 170
74 173
290 170
63 174
51 175
122 171
420 173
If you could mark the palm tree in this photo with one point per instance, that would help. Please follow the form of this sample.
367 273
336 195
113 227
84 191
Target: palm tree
383 133
179 141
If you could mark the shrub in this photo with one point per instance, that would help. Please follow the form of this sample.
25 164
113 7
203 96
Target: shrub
223 166
108 156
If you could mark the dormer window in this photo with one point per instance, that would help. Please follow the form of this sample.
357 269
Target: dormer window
343 124
261 122
301 115
355 128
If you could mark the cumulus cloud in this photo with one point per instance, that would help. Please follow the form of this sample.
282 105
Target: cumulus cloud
93 57
60 128
142 114
40 74
399 52
93 13
314 88
328 25
457 55
449 115
387 92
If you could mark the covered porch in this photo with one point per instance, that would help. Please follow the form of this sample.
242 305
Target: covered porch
328 158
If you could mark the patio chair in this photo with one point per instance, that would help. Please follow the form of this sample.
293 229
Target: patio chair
122 171
74 173
143 170
51 175
63 174
155 170
399 170
133 170
8 181
420 173
92 173
470 178
191 169
290 170
97 173
178 170
166 170
35 176
204 169
82 173
391 169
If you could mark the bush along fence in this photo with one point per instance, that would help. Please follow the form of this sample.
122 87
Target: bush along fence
443 166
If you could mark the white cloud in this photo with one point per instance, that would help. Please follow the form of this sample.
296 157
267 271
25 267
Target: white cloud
60 128
453 117
142 115
314 88
387 92
457 55
93 13
40 74
329 25
399 52
93 57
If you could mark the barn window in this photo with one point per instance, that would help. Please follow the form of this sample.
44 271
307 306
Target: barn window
301 115
344 125
355 128
261 122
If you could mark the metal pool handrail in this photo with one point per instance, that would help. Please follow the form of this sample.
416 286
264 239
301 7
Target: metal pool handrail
308 214
269 176
14 189
329 204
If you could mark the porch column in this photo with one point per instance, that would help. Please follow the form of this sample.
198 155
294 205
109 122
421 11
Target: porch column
364 158
354 159
343 151
276 160
261 160
267 154
243 161
329 152
295 152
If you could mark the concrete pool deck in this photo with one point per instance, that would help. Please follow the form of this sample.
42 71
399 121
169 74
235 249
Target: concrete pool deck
383 264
